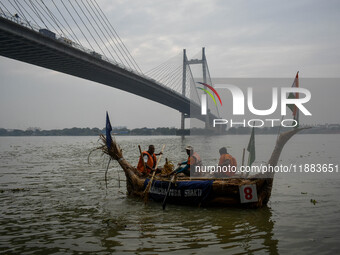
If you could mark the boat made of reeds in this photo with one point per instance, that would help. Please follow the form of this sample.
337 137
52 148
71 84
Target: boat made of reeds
236 191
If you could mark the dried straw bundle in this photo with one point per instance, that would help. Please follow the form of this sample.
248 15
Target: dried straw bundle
115 152
168 167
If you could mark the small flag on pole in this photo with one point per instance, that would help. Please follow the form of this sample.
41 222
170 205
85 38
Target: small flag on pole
108 129
251 148
293 107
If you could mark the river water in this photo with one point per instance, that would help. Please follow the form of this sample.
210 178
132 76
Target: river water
53 202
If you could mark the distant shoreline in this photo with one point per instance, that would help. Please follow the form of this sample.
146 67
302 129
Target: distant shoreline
123 131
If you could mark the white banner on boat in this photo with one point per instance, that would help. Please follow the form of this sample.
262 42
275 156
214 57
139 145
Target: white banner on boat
248 193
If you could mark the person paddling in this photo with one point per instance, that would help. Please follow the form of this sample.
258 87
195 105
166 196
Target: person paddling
193 160
148 160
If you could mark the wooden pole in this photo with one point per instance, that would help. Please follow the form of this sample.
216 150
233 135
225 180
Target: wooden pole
244 151
167 192
247 164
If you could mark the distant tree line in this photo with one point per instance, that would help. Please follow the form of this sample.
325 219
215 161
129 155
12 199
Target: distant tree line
54 132
87 131
335 129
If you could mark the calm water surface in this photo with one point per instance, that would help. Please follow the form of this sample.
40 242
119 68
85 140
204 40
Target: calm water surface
53 202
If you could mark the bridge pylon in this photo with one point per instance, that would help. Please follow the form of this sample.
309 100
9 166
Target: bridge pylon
186 64
184 80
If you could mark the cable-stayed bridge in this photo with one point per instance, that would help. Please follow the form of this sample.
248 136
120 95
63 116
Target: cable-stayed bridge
76 38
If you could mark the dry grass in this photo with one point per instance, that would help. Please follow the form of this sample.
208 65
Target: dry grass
115 152
168 167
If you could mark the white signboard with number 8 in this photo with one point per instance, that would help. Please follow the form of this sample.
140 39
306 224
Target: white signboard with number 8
248 193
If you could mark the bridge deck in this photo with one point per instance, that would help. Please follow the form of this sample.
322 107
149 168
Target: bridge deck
23 44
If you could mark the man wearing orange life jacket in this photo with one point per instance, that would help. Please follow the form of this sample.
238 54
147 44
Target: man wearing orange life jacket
193 160
149 160
227 160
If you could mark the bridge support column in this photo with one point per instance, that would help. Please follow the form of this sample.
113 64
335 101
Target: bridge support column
184 80
204 70
182 121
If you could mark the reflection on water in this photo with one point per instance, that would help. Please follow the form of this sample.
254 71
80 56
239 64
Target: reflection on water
52 201
199 230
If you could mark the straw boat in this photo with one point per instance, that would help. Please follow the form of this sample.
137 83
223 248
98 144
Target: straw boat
186 190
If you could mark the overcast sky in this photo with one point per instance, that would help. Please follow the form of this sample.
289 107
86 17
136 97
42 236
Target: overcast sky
242 39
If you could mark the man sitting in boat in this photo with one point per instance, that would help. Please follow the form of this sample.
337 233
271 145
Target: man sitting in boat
227 160
193 160
149 160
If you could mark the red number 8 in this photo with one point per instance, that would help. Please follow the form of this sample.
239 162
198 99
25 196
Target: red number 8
248 193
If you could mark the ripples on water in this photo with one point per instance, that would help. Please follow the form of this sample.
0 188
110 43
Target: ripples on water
53 202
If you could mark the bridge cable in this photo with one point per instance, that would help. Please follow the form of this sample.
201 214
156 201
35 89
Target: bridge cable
124 48
20 12
157 73
114 39
128 52
75 22
51 16
154 71
42 11
86 26
57 22
166 70
171 74
67 24
175 78
180 80
162 71
110 39
162 79
5 8
192 77
151 70
168 73
188 84
116 44
48 13
97 32
35 12
38 12
29 15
